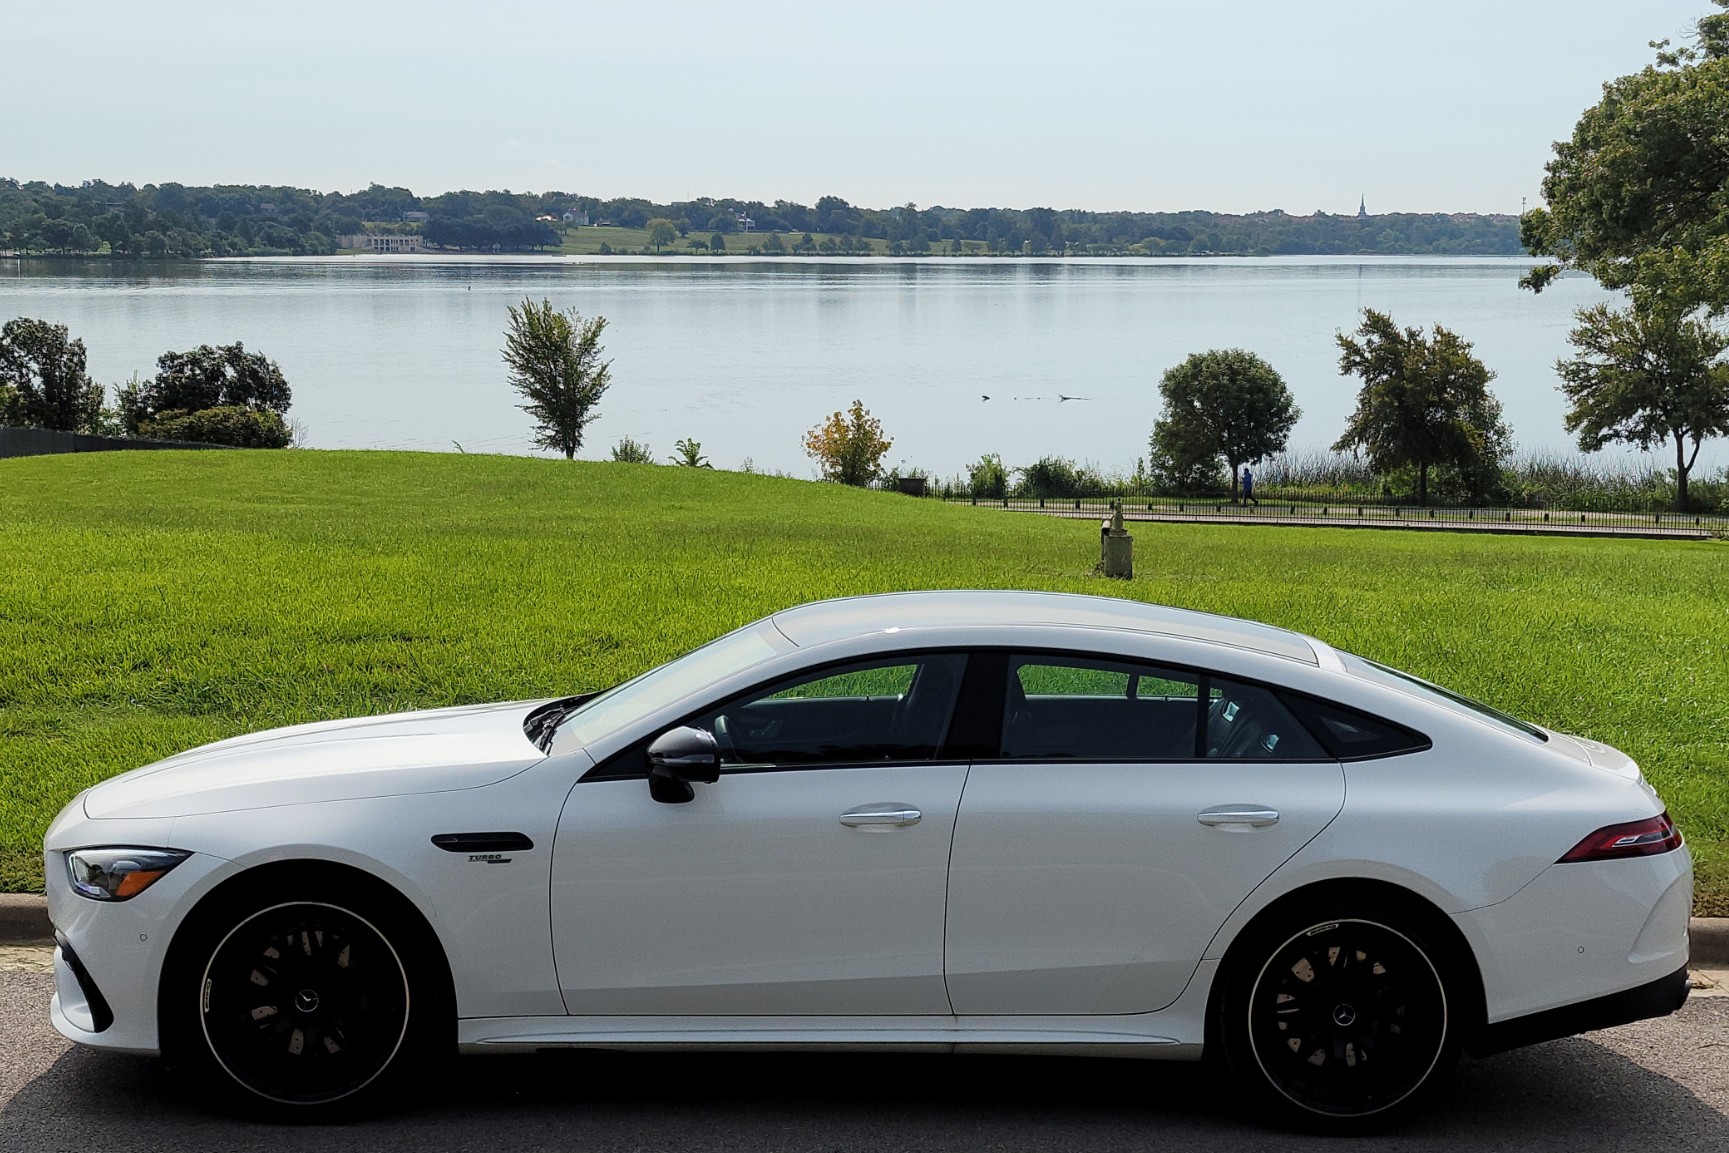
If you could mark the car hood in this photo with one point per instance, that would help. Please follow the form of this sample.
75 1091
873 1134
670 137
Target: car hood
403 753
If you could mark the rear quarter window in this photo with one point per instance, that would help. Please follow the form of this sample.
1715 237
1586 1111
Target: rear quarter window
1349 735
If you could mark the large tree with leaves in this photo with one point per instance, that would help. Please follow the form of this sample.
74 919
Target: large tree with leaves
554 362
1639 196
219 395
1647 377
1424 402
1226 403
43 382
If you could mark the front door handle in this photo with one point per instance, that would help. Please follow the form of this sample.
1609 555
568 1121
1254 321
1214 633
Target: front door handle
1255 816
882 815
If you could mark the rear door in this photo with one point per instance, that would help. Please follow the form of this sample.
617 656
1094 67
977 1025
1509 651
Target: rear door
1131 808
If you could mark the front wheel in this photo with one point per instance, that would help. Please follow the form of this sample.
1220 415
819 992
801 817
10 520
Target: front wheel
1340 1020
302 1006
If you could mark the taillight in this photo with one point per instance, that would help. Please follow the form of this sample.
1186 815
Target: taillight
1634 839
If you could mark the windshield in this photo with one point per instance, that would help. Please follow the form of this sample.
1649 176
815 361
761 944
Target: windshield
620 707
1370 671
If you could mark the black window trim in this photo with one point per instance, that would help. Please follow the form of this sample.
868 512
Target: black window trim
982 703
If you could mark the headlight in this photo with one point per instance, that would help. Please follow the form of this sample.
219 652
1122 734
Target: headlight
119 874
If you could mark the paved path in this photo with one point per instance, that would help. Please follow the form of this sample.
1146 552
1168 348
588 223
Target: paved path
1654 1085
1559 525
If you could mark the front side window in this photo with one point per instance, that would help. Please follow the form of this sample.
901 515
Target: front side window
896 710
1077 708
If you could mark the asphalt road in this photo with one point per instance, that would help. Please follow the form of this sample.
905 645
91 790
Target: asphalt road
1654 1085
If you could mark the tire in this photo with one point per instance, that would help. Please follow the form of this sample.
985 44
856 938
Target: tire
1342 1016
301 1006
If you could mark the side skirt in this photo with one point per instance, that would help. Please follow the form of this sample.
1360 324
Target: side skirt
799 1034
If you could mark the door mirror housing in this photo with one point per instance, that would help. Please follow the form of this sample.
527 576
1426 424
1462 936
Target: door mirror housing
676 759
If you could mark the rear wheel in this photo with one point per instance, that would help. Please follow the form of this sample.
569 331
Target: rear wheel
1341 1019
303 1006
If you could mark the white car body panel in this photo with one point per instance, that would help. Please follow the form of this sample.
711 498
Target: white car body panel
460 748
1094 888
762 922
754 898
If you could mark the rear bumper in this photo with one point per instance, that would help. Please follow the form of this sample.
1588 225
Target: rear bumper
1657 998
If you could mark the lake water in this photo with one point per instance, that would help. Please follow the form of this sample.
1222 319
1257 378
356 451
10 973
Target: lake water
744 355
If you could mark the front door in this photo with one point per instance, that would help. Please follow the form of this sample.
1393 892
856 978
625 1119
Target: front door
809 880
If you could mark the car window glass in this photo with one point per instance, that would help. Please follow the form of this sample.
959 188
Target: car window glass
882 711
623 706
1249 723
1381 674
1076 708
1350 735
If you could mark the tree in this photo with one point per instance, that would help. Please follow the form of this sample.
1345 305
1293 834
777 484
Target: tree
717 243
661 232
1644 376
554 360
849 446
628 451
43 382
226 377
1639 196
689 454
1226 403
1423 403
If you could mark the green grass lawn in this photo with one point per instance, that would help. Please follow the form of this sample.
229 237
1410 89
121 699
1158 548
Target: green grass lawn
155 600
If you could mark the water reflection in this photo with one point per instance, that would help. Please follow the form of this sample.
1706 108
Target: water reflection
745 355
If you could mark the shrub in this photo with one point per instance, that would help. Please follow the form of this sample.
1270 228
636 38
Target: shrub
628 451
234 425
988 477
849 446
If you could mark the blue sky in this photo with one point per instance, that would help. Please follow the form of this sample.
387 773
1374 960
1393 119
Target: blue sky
1231 106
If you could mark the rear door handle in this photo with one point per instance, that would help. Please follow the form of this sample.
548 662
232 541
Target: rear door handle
1255 816
882 815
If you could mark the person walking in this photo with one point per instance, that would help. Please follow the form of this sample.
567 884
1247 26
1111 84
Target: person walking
1249 488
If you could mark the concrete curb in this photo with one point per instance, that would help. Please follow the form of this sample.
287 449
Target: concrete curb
24 920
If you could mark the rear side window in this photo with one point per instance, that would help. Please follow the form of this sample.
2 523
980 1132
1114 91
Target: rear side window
1349 735
1082 709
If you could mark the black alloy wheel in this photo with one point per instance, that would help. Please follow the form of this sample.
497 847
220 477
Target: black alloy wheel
305 1003
1344 1024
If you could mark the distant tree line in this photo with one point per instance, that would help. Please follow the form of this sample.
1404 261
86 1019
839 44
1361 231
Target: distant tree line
174 220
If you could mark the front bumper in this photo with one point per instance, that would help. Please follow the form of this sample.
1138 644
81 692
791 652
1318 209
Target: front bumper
108 966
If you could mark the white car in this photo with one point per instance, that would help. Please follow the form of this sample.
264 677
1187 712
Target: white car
971 822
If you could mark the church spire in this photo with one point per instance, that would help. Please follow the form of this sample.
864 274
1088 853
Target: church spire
1363 208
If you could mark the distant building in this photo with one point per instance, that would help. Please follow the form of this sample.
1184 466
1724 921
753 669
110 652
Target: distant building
417 217
392 242
1363 208
745 223
579 219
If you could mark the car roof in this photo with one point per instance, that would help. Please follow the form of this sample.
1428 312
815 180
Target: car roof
824 621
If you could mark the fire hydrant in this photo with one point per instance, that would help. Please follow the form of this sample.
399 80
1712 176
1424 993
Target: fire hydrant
1116 546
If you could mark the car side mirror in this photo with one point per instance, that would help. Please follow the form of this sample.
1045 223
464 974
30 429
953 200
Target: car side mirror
678 757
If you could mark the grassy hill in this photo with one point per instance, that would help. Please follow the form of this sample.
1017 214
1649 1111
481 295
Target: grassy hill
153 600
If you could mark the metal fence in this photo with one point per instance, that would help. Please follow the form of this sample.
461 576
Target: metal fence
48 441
1526 520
